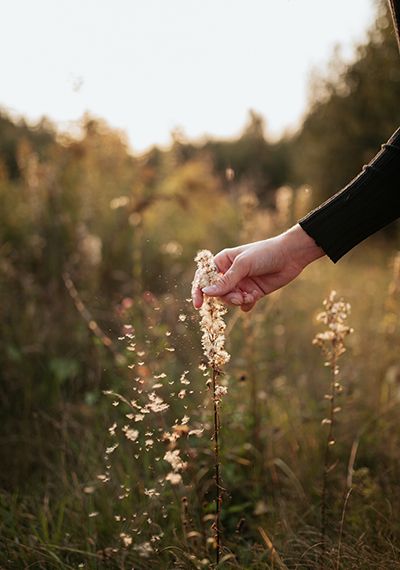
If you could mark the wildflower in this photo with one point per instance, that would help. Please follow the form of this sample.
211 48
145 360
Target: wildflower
335 317
197 432
212 311
181 430
111 449
213 327
151 492
174 460
331 344
156 403
131 434
170 438
183 378
173 478
220 391
126 539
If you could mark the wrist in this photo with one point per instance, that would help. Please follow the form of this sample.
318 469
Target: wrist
299 245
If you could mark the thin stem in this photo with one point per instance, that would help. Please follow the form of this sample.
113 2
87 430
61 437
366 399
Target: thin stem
341 528
326 461
217 474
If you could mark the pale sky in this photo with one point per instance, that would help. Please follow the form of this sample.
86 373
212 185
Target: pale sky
148 66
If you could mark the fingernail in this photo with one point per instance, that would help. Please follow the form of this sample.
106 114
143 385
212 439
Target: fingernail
210 290
235 302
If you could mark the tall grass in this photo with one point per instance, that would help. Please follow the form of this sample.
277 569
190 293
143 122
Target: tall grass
71 517
78 334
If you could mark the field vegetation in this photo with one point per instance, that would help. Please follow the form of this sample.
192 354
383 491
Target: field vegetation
107 446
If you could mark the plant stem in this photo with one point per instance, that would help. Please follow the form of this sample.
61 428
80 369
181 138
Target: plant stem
216 476
326 461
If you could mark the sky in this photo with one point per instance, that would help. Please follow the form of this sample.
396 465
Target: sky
150 66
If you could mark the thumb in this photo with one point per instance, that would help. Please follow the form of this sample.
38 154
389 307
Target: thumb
228 281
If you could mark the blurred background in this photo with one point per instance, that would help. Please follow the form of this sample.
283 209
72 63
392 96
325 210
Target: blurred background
131 136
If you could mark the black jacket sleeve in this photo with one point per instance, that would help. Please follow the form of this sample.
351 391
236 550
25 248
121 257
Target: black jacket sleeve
370 202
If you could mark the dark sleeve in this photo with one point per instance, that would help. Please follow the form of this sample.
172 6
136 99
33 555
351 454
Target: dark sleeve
370 202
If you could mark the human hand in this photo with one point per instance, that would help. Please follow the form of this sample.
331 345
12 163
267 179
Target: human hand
249 272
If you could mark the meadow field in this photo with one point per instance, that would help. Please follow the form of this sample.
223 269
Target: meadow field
107 447
120 447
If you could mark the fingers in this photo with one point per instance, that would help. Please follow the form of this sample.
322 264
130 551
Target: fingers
248 307
241 298
228 282
233 287
235 298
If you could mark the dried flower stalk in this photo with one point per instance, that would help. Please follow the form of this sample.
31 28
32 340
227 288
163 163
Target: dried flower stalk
213 327
331 344
212 311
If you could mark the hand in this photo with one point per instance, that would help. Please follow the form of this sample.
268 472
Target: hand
249 272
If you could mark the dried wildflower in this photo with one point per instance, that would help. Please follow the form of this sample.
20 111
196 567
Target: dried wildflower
331 343
151 492
126 539
181 430
103 478
183 378
197 432
334 316
211 312
175 460
162 375
169 437
173 478
156 404
213 327
111 449
131 434
220 391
